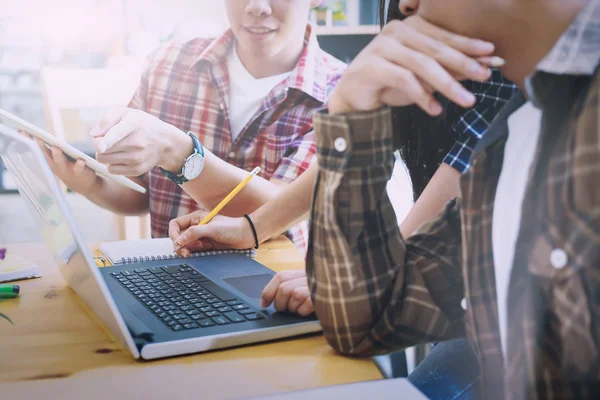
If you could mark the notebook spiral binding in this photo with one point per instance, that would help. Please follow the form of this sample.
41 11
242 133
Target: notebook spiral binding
132 260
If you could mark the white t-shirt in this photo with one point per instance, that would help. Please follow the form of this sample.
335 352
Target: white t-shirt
523 133
246 93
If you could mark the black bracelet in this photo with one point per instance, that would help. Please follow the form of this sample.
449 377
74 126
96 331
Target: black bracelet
253 230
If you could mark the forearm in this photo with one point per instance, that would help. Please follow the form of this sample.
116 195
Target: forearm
443 187
117 198
372 291
290 206
217 178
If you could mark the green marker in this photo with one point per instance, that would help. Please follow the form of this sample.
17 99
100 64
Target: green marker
9 291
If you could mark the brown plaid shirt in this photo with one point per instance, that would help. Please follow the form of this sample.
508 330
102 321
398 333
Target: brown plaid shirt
375 292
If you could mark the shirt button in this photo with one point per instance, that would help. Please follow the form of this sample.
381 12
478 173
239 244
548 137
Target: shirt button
463 304
340 144
231 154
559 258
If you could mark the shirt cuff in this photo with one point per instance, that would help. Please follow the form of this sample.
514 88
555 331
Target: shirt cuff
459 156
355 140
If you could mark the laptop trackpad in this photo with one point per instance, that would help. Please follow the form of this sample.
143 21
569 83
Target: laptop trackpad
251 285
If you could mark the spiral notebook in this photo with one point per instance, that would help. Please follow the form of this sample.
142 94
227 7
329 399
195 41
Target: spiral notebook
142 250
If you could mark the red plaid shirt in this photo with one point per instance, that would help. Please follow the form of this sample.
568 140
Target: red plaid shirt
186 85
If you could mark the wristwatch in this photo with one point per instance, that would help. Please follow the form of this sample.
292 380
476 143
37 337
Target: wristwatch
193 164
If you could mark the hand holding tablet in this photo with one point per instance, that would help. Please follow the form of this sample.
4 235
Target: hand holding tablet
15 122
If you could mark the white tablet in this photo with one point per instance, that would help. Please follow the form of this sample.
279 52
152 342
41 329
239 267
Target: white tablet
15 122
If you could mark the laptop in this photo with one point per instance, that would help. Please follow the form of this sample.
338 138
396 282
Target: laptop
160 308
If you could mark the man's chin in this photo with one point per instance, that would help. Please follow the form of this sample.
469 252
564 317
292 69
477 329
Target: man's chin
261 51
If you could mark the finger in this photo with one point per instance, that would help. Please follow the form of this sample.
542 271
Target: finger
110 119
306 308
430 71
299 295
178 225
128 144
268 294
183 252
195 233
47 155
406 84
285 291
96 141
495 62
43 147
118 132
396 98
270 291
79 167
447 56
466 45
175 231
26 134
60 161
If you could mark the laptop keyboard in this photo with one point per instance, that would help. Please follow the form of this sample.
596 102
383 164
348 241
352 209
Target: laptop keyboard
183 298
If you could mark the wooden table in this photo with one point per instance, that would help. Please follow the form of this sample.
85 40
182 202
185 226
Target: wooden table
58 349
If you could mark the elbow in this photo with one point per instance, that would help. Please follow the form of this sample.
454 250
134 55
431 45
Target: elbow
348 336
361 337
348 349
361 347
345 342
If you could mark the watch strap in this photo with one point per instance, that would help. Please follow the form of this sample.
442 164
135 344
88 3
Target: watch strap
197 145
179 178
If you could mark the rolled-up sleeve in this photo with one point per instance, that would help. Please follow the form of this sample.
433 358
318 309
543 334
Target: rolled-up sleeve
372 291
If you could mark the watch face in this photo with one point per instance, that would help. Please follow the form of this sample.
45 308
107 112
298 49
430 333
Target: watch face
193 166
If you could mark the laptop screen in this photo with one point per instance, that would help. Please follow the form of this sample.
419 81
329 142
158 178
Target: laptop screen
40 190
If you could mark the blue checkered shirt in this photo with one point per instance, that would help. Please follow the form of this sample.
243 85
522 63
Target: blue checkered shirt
472 125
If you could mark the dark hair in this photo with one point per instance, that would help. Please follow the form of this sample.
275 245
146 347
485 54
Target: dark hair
423 140
391 13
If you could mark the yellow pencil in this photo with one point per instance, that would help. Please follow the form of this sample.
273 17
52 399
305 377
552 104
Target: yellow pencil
230 196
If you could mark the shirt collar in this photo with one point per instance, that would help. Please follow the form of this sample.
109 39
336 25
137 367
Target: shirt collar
576 53
217 51
309 75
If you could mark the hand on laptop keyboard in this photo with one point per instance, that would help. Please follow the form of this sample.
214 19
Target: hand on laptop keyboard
289 291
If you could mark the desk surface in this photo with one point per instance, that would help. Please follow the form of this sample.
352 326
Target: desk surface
55 337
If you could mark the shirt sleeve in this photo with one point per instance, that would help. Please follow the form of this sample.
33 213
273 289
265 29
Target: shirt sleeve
300 154
473 123
372 291
160 54
138 101
459 156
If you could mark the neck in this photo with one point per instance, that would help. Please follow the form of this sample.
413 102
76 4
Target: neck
275 64
537 27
